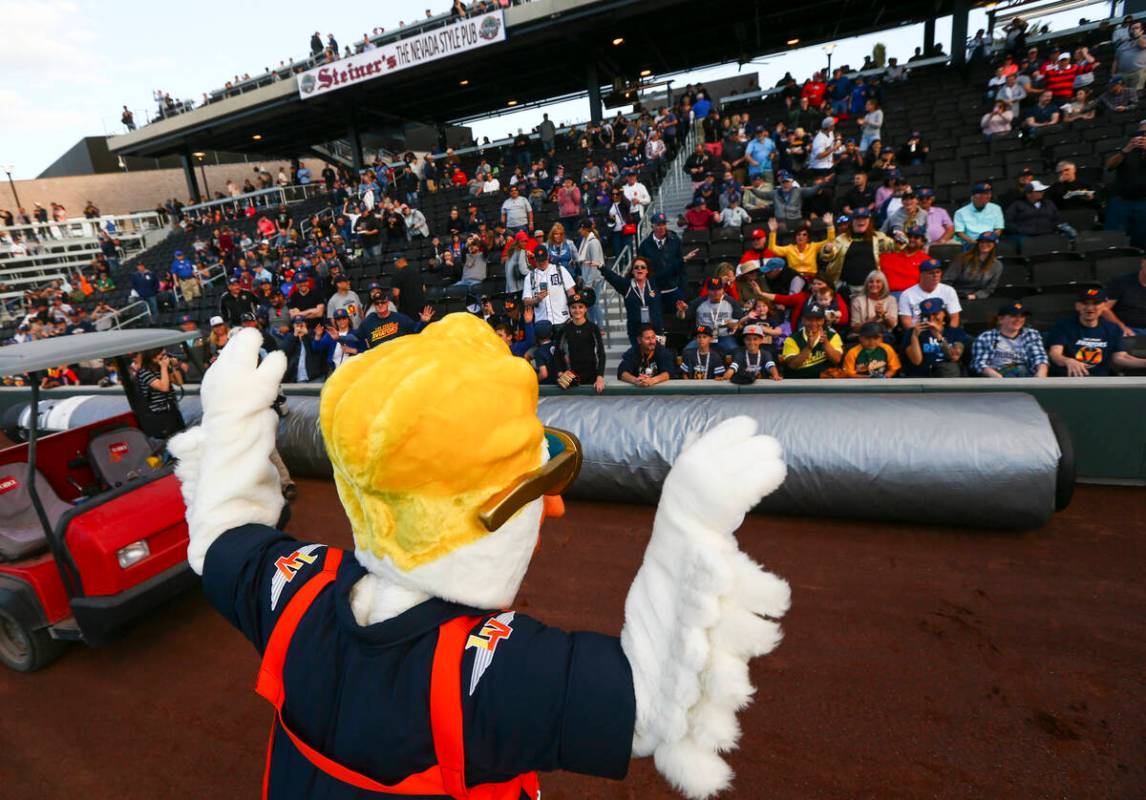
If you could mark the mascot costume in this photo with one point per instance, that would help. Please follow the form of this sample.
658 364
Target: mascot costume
400 668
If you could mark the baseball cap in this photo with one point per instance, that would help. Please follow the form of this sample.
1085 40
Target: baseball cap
246 316
1092 296
988 236
342 278
1117 79
871 329
586 224
1061 56
929 264
216 320
1013 309
703 330
759 234
712 284
543 329
659 219
981 187
813 311
932 305
585 297
1035 186
773 264
232 280
340 313
178 253
521 236
541 253
827 123
374 286
861 213
785 175
753 330
917 230
924 191
185 319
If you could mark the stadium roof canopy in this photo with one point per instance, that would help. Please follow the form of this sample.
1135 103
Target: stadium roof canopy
550 49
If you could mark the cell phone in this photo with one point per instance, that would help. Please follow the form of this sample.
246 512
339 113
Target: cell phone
543 286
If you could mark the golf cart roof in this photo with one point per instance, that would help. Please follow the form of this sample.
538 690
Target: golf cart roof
42 354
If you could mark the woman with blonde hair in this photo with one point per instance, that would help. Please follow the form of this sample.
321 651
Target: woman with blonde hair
562 253
975 274
874 304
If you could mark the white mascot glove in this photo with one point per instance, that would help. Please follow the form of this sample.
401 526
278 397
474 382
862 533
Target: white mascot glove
699 608
224 463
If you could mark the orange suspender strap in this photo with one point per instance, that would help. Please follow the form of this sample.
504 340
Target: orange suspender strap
446 703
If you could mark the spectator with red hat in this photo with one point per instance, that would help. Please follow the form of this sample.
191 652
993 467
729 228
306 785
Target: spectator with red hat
756 253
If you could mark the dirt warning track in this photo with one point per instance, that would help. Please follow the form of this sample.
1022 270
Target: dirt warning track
937 663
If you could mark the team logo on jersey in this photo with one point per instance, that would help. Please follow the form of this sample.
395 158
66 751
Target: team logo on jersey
485 643
286 567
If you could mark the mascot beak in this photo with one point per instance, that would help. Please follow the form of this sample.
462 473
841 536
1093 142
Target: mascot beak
554 507
548 481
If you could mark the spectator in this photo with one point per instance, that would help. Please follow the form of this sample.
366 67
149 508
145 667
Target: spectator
383 323
370 231
733 216
128 119
718 313
516 212
856 251
516 259
1032 215
1087 345
802 256
648 362
639 298
824 147
663 252
547 289
1126 209
812 347
871 358
568 203
1118 97
1081 107
975 273
1059 77
870 124
1042 115
308 353
875 305
408 290
978 216
345 299
1130 58
1012 94
157 376
914 150
752 361
415 223
1011 349
547 132
304 303
637 195
579 348
346 344
760 154
860 195
698 216
997 121
1127 293
591 257
702 362
1068 192
562 253
934 349
819 293
929 286
184 275
146 288
788 201
908 215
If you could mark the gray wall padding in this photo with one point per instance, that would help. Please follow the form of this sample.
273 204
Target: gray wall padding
980 460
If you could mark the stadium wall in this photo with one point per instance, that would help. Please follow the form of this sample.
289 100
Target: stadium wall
127 192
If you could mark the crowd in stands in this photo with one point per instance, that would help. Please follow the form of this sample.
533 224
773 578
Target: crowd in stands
810 248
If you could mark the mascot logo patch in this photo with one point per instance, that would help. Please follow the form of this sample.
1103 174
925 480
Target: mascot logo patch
286 567
485 643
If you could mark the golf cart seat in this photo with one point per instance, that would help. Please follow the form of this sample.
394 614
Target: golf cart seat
21 534
119 455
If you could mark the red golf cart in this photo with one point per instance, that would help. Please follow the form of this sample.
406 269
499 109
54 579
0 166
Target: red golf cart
92 528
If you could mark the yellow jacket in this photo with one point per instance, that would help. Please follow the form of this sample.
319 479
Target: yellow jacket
805 263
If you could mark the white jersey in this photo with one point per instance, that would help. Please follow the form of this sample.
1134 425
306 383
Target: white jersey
557 280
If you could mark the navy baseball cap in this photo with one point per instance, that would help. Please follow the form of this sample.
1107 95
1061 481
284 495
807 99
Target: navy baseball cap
1013 309
861 213
340 313
917 230
399 257
342 277
585 297
932 305
246 316
924 191
813 311
178 253
930 264
703 330
988 236
785 175
185 319
871 329
712 284
1092 296
232 280
373 286
893 174
660 219
980 188
541 252
543 329
586 224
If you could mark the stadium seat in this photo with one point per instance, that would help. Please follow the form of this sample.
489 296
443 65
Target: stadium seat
1106 268
1094 242
1081 219
1052 244
695 236
945 252
725 250
726 234
977 315
1062 275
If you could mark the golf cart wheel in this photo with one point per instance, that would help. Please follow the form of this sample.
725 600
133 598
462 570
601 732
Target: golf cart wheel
23 649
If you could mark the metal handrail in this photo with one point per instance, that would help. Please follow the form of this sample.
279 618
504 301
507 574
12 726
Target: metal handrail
120 318
84 227
261 198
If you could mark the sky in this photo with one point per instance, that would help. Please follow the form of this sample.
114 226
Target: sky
70 65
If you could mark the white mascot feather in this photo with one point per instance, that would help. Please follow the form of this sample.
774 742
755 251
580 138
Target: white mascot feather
698 610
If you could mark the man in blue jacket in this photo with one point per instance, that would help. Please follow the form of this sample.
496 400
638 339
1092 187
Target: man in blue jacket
146 286
383 324
664 254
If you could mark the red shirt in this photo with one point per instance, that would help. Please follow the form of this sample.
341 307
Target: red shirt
699 218
901 269
798 300
814 91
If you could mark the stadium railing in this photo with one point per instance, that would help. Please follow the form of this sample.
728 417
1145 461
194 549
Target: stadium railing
261 199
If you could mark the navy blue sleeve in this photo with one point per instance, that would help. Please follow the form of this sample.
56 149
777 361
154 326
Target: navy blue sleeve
1059 335
666 361
628 363
250 573
543 699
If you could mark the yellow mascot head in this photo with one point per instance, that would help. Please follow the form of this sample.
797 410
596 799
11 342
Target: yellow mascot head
422 431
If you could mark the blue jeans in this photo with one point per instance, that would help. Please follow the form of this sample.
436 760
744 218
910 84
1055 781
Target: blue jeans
866 140
1129 216
839 107
153 305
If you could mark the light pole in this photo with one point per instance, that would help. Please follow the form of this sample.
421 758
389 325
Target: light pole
199 156
829 49
8 171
